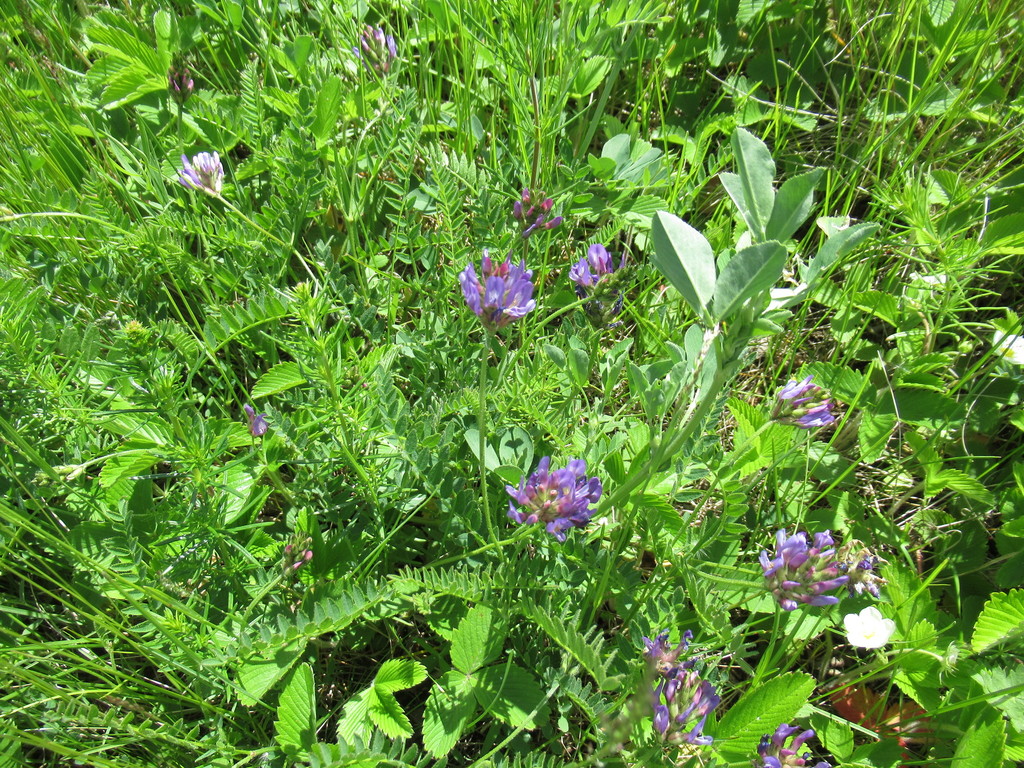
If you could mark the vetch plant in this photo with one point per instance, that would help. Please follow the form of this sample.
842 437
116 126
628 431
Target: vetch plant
868 629
681 699
598 280
561 499
803 404
504 295
257 421
203 173
533 216
774 753
802 573
376 49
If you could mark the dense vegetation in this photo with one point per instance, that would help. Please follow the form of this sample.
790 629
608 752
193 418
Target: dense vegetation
522 384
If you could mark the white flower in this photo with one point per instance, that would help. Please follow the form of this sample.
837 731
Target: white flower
933 280
868 629
1010 347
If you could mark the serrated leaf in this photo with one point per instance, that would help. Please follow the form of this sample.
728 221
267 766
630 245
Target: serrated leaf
873 435
964 484
510 693
399 674
760 711
983 744
386 713
278 379
127 464
1007 689
355 717
1001 621
685 258
751 271
793 204
477 641
449 709
296 710
258 673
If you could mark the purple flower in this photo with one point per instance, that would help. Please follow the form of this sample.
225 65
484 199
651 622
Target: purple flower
180 84
596 279
257 422
506 293
802 574
804 405
861 565
534 217
560 499
204 173
376 49
774 753
679 695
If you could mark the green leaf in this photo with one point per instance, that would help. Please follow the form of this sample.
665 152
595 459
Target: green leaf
1001 621
510 693
793 205
278 379
685 258
837 246
133 461
355 717
296 710
477 641
751 271
1006 687
983 744
589 75
964 484
755 195
873 435
449 709
399 674
328 106
760 711
258 672
386 713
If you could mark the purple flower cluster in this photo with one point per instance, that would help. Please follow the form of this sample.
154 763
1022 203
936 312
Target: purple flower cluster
596 279
774 753
804 405
802 574
179 83
257 422
534 216
561 499
862 569
204 173
506 293
679 695
376 49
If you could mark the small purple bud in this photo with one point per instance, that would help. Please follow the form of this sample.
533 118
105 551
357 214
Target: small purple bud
257 422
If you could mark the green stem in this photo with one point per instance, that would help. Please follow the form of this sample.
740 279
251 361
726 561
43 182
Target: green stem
481 425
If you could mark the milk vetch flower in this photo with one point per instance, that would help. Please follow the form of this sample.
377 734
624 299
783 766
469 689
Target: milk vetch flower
204 173
506 293
803 404
376 49
868 629
802 572
561 499
257 421
533 216
681 699
597 279
773 752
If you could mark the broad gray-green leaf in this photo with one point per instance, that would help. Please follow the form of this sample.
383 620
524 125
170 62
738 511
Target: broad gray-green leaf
756 171
296 710
685 258
837 246
793 204
1001 620
751 271
281 377
760 711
